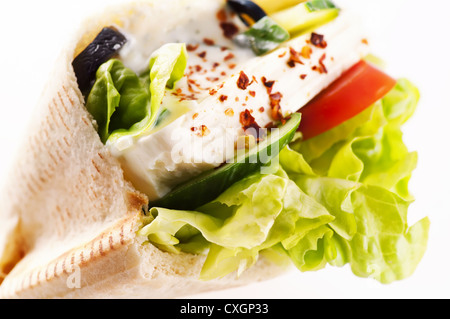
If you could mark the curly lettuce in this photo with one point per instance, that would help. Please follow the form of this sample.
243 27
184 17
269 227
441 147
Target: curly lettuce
339 199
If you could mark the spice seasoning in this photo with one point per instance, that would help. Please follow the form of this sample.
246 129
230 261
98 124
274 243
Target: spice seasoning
294 58
318 40
268 84
275 100
229 29
243 81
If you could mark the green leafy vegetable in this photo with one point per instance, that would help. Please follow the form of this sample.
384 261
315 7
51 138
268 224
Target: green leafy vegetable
118 98
240 224
316 5
124 104
338 199
265 35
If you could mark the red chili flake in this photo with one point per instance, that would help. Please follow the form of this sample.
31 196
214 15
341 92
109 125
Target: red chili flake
229 112
223 73
294 58
303 76
191 89
322 58
193 129
306 52
268 84
243 81
192 47
275 100
212 91
216 64
254 79
248 121
198 68
211 79
194 116
223 49
204 131
252 93
271 125
282 55
208 41
232 66
291 64
190 97
222 15
229 29
365 41
223 98
202 54
237 99
229 57
261 109
318 40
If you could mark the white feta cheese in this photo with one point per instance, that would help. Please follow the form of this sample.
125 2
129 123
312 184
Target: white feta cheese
221 83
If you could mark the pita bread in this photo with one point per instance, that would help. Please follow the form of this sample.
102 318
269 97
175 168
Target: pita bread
68 216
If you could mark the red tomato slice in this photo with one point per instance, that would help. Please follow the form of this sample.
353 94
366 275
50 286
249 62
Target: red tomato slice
356 90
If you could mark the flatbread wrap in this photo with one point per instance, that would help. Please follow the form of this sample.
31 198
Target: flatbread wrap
142 174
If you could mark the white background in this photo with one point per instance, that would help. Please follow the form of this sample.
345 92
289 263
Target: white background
412 36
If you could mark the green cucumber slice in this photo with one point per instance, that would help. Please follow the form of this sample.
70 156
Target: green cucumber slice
306 16
209 185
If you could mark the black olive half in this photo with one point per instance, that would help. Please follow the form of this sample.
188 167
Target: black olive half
107 43
248 11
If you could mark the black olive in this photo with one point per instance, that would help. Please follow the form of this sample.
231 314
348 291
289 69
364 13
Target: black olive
107 43
248 11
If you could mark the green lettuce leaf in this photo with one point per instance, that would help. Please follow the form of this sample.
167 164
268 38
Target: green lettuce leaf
360 172
370 230
239 224
339 199
125 104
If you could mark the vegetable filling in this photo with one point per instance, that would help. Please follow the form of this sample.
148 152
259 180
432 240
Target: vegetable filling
274 139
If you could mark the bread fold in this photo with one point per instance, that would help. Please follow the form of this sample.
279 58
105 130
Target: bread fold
69 218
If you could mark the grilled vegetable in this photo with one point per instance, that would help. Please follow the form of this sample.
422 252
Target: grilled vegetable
272 6
306 16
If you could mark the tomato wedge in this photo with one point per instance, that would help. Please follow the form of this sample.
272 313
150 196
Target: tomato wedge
356 90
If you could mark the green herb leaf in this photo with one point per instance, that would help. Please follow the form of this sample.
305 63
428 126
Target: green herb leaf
265 35
316 5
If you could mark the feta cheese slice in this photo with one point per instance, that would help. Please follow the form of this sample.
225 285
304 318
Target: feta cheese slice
222 85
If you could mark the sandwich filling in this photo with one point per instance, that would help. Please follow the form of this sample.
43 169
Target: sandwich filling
190 111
